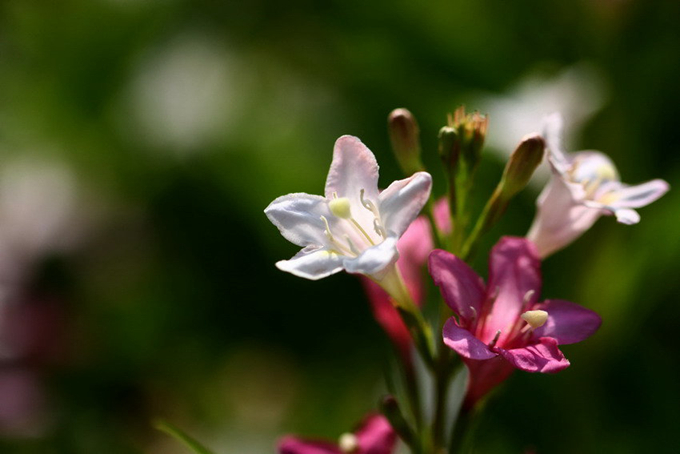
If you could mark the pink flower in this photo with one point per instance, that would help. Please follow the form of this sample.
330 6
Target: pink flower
374 436
414 248
583 187
502 326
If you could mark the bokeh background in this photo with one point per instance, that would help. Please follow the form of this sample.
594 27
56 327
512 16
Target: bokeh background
140 141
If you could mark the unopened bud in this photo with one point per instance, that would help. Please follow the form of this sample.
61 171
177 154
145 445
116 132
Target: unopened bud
522 164
471 129
449 147
405 138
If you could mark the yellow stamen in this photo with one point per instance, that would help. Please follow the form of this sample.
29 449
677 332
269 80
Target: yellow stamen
535 319
340 208
348 443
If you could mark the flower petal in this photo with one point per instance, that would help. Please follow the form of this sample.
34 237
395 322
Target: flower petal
353 168
552 127
541 357
298 218
514 271
567 322
464 342
626 216
312 263
462 290
294 445
374 260
376 436
401 202
560 218
639 195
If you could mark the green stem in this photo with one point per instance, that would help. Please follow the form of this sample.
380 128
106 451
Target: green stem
462 436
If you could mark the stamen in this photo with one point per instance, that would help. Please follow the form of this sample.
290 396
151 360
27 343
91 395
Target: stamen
367 203
348 443
535 319
361 230
474 313
327 232
340 207
492 344
379 229
527 297
351 245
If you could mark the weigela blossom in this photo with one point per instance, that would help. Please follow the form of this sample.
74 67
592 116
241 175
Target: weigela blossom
414 249
583 186
354 226
374 436
501 326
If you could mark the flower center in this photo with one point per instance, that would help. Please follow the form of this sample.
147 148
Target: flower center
351 238
592 171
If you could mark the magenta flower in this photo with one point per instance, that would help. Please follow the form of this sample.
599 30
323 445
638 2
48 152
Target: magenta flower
501 326
374 436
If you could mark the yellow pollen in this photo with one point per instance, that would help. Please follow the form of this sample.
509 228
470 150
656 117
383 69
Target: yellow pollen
340 208
348 443
535 319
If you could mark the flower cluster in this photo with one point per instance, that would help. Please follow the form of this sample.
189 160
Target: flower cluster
491 328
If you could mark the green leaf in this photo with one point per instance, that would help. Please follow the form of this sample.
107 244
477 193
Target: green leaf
179 435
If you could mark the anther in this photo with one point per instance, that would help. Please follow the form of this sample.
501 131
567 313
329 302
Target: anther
492 344
366 203
535 319
348 443
340 207
379 229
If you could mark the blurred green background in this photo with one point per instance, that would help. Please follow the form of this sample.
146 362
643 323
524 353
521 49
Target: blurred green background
140 141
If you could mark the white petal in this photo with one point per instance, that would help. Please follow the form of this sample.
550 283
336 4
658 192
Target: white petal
312 263
298 217
552 127
374 260
639 195
627 216
401 202
353 168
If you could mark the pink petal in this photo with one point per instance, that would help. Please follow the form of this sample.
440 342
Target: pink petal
464 342
514 271
561 217
568 322
461 288
541 357
376 436
484 376
401 202
353 168
442 215
388 318
294 445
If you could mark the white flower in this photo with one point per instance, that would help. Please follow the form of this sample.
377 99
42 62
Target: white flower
354 227
583 186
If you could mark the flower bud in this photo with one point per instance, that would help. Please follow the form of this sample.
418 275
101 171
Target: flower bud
522 164
405 138
449 147
471 129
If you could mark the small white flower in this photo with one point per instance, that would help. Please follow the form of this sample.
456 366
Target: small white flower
354 227
583 186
